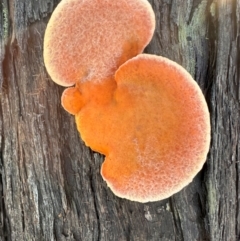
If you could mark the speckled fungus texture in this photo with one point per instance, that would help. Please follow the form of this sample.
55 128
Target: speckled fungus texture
145 113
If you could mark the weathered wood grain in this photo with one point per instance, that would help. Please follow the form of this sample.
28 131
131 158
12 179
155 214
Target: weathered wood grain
50 186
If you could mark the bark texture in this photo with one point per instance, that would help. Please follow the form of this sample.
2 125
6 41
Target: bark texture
50 186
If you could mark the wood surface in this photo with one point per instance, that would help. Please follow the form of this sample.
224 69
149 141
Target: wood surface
50 185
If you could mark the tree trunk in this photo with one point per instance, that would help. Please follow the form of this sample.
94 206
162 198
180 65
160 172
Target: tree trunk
50 185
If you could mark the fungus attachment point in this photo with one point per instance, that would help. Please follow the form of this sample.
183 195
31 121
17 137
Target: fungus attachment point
155 133
89 40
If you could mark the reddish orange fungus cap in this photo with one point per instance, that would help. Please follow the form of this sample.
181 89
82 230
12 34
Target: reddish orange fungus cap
87 40
155 133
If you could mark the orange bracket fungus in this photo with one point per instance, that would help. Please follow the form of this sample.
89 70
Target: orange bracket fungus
145 113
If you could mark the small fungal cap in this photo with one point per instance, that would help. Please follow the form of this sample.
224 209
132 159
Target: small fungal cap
72 100
89 40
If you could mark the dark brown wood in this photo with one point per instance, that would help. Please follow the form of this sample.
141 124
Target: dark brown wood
50 186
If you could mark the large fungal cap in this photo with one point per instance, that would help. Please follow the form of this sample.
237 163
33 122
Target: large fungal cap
155 133
87 40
